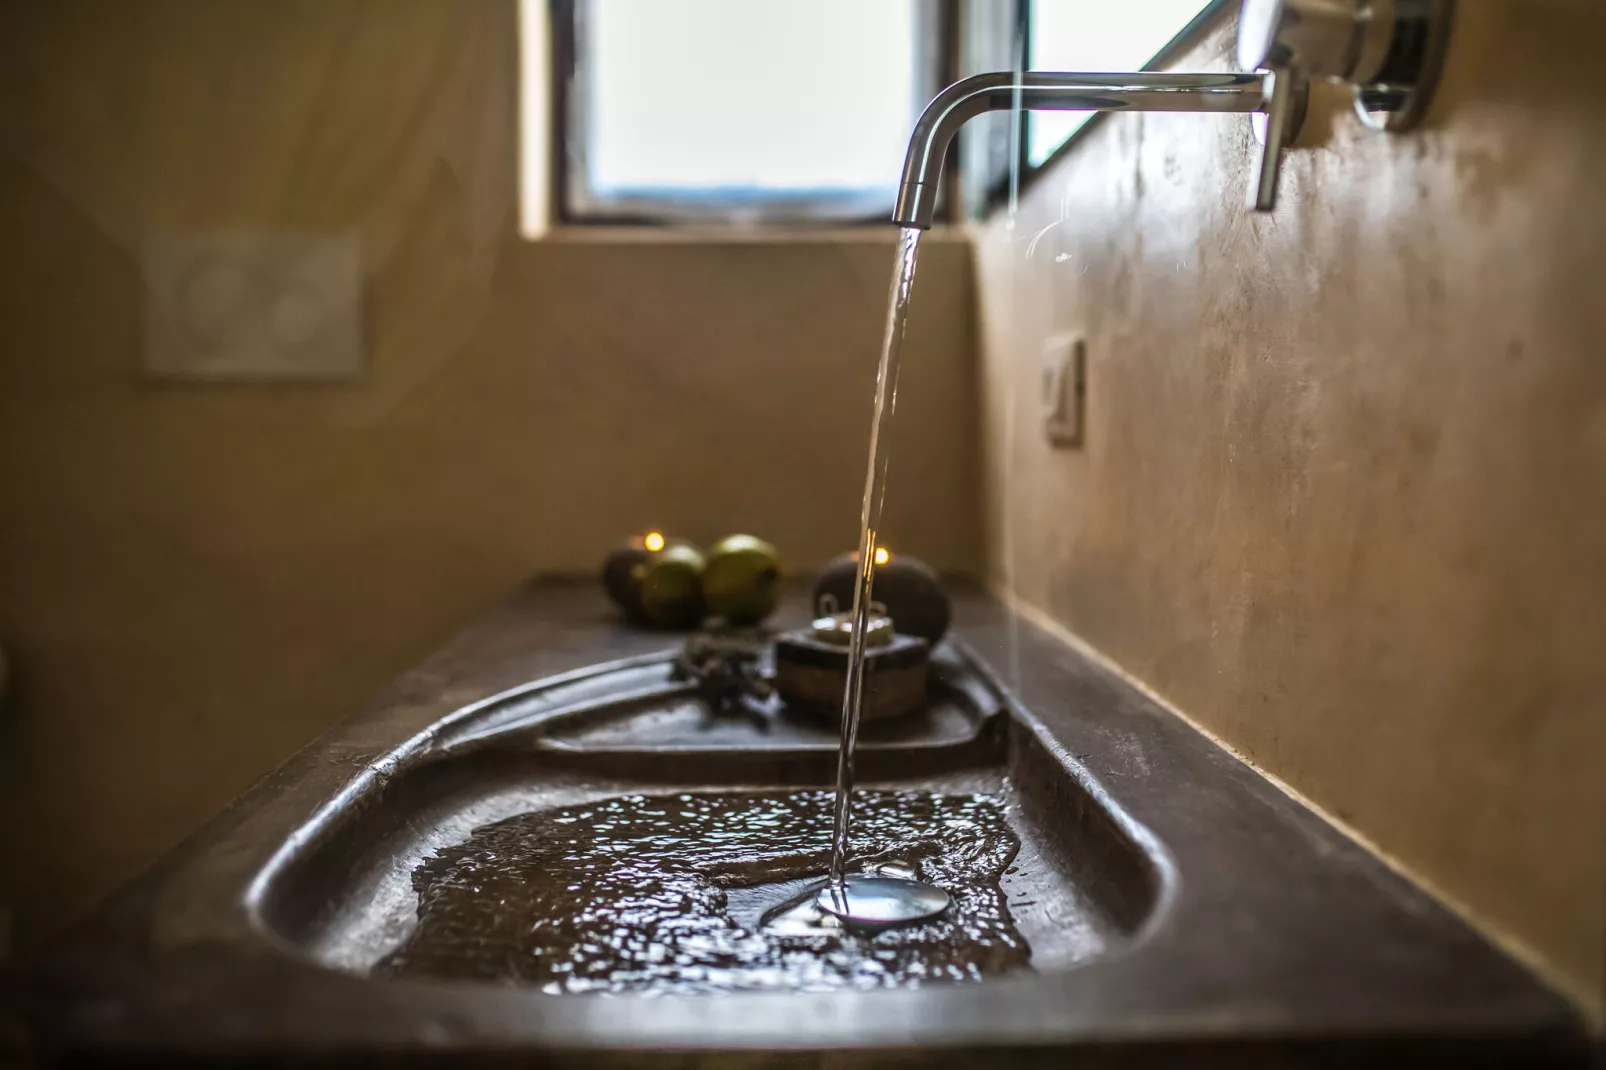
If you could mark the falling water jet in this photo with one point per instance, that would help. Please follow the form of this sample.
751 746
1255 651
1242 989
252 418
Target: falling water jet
863 899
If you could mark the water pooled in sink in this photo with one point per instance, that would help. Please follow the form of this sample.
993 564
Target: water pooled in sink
707 893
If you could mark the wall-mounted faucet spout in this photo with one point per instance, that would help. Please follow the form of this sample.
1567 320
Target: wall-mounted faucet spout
1390 51
1046 91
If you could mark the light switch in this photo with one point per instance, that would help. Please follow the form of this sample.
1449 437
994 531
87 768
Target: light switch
1064 387
264 306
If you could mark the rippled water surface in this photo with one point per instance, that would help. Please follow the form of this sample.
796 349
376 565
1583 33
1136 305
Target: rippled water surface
700 893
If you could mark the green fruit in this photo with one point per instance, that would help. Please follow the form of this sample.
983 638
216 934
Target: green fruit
742 580
672 588
624 568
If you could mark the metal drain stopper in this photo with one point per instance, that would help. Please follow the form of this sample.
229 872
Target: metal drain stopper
882 900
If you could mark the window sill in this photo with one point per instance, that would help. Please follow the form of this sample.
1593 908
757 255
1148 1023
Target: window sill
866 234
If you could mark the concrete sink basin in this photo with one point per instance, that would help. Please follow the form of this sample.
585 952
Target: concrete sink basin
1160 901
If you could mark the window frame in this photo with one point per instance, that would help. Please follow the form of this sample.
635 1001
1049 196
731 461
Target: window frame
569 203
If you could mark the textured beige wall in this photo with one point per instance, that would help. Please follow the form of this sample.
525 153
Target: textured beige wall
194 580
1342 496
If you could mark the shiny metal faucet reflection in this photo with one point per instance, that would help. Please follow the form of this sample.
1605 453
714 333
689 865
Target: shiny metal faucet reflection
1051 91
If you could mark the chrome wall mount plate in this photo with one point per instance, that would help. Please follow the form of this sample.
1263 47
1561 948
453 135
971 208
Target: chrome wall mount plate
1398 96
1391 51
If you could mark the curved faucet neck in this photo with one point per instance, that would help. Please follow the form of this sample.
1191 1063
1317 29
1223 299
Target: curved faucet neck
1052 91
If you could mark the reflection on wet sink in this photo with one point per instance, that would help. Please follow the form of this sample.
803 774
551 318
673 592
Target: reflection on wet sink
605 832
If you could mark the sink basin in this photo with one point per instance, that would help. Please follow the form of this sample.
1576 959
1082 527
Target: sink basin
341 890
1156 899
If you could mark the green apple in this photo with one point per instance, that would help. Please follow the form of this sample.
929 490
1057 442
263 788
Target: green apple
742 580
672 587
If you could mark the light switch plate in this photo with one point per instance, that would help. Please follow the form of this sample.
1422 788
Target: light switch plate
1064 388
252 306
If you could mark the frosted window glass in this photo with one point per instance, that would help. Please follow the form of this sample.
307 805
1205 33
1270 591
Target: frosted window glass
747 97
1095 36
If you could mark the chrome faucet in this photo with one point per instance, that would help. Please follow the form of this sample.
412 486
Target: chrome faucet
1390 50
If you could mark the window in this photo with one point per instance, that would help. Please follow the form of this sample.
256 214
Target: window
741 111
